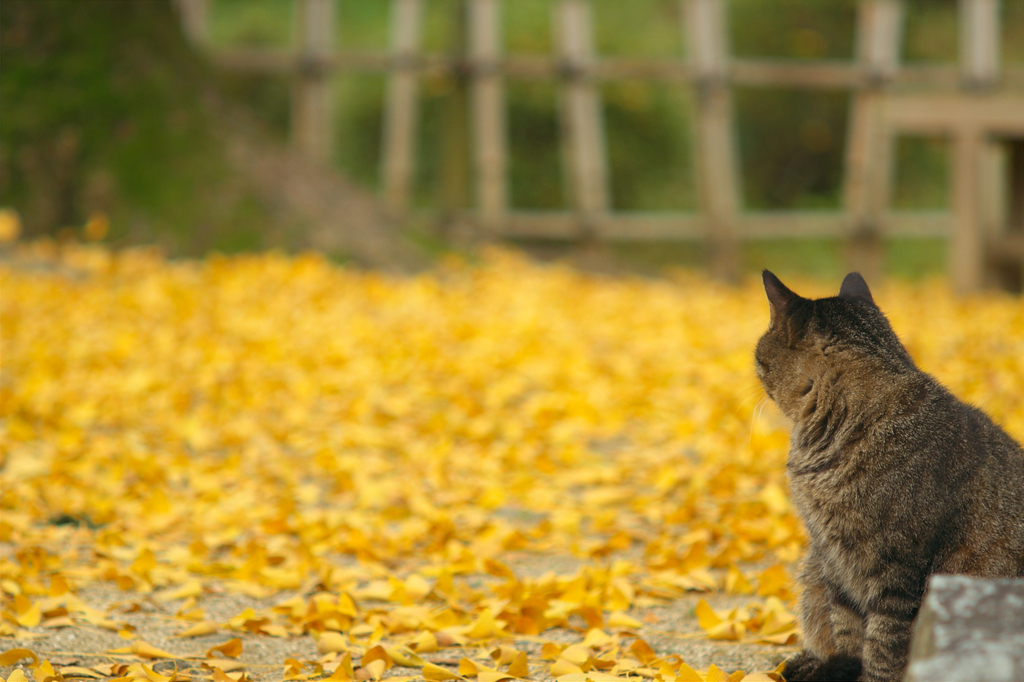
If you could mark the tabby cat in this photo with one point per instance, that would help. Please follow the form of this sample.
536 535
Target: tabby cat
893 477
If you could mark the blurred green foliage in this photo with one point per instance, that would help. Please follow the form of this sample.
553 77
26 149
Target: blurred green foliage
102 112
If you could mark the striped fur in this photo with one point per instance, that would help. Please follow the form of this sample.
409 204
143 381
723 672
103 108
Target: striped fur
894 478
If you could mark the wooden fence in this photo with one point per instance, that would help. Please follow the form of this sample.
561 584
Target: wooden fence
976 103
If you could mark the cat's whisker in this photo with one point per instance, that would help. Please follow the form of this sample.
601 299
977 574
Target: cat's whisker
755 416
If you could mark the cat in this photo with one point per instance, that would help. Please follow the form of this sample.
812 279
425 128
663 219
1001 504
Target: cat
893 477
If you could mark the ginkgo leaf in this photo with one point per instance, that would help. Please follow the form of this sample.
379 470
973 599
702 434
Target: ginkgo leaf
425 642
404 657
231 648
715 674
332 641
143 650
736 582
564 667
206 627
596 638
688 674
706 616
618 619
377 653
643 651
518 667
774 581
436 673
192 588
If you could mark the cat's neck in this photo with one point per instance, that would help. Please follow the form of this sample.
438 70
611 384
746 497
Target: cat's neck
846 405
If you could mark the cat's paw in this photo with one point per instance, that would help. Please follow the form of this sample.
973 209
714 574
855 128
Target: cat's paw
806 667
841 669
802 668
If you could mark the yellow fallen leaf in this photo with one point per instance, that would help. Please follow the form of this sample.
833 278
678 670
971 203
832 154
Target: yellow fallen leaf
12 656
596 638
503 655
485 627
564 667
468 668
424 643
404 657
643 651
225 664
493 676
206 627
377 653
577 653
706 616
143 650
518 667
144 564
781 639
737 583
332 641
436 673
27 613
193 588
618 619
58 622
344 671
231 648
730 630
550 651
688 674
715 674
44 671
17 675
774 581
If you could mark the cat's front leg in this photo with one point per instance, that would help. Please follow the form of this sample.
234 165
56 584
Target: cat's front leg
841 662
832 631
887 638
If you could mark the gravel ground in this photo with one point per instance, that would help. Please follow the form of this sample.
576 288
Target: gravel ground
671 628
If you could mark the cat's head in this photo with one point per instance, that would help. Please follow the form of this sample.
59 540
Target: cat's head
814 340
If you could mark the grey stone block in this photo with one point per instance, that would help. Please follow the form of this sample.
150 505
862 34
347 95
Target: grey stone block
969 630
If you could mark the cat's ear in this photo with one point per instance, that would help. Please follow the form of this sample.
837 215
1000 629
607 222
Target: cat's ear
854 286
779 296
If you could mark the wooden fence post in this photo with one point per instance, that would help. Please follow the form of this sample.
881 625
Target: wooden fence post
489 130
312 124
967 243
979 68
714 144
869 156
582 122
452 195
400 112
979 42
194 16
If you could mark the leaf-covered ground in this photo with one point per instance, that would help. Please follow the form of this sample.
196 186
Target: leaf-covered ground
270 467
